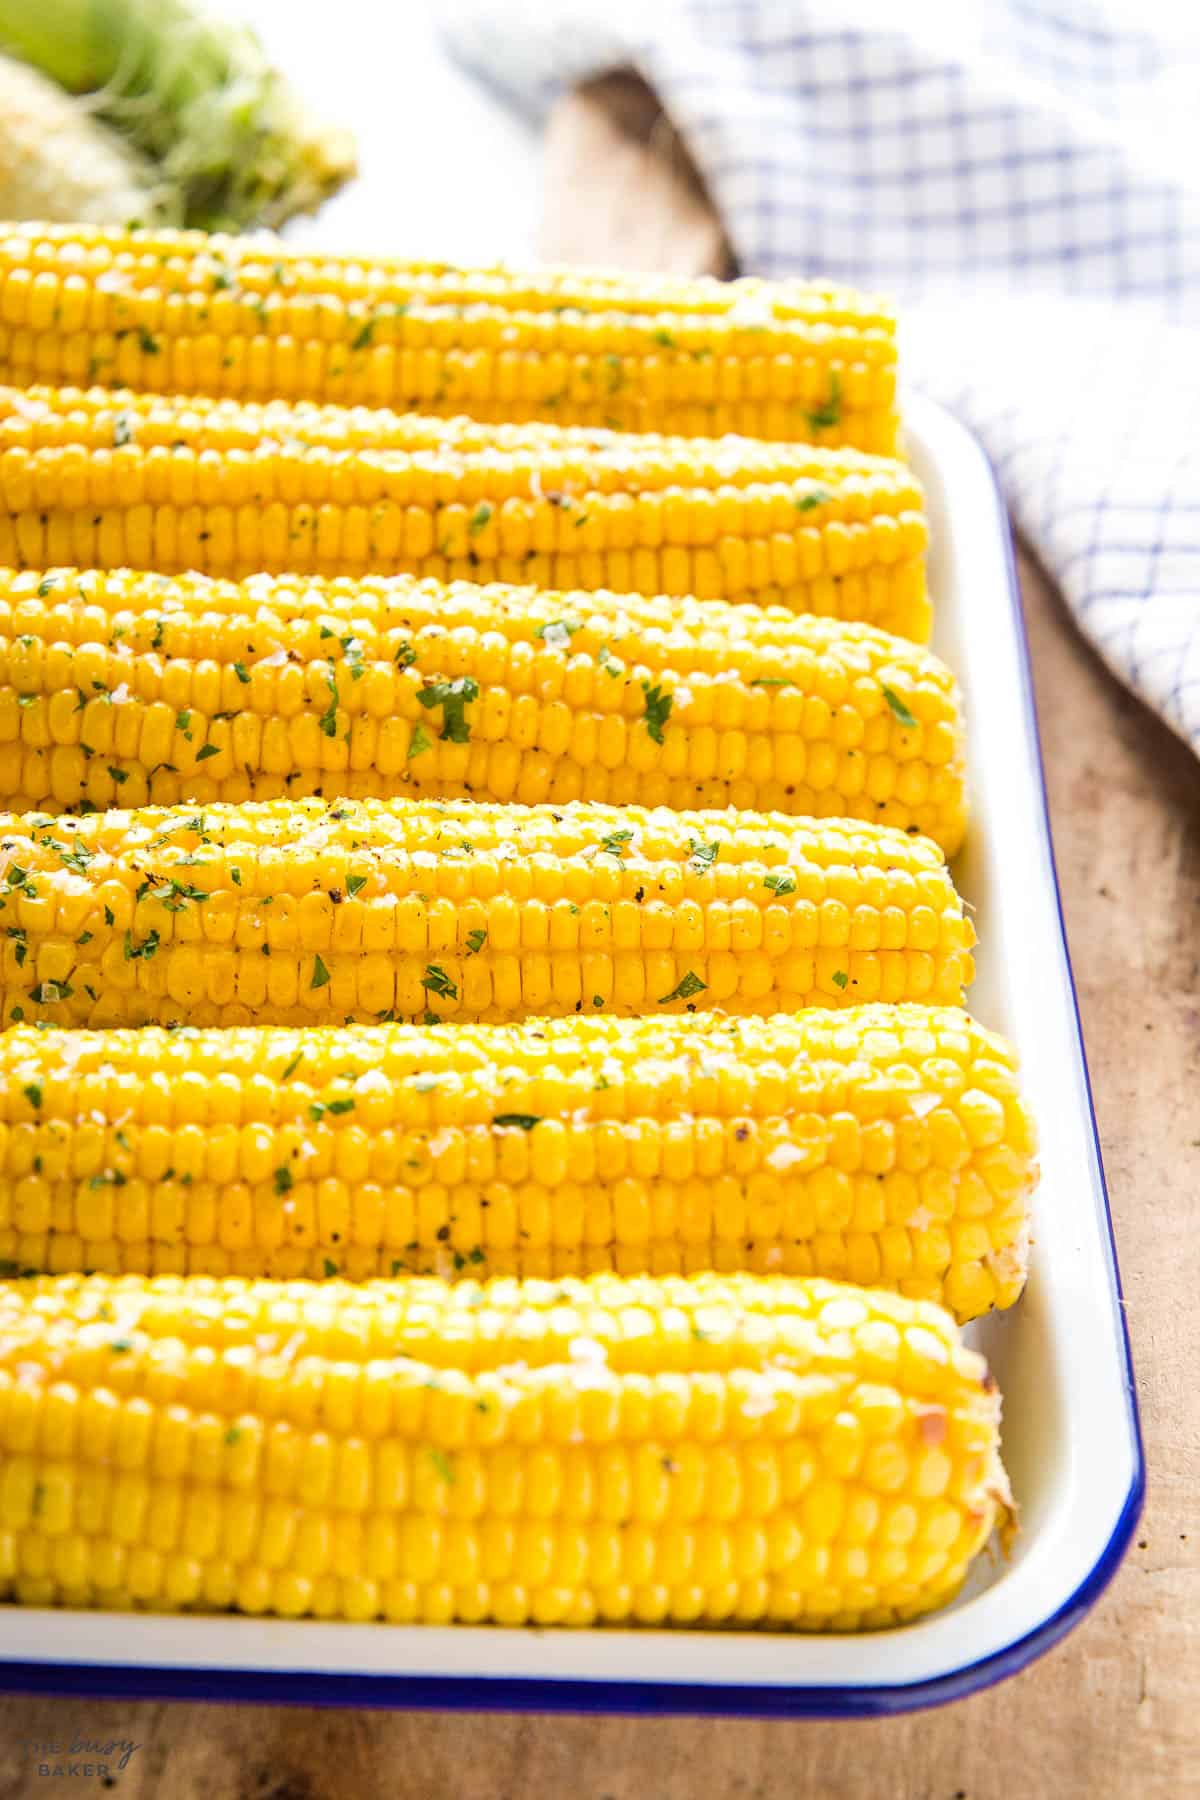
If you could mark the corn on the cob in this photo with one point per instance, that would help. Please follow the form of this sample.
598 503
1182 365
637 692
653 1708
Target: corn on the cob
761 1451
124 480
180 312
307 911
279 687
884 1145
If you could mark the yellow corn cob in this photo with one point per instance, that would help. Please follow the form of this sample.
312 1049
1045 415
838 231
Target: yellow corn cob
289 687
787 1453
883 1145
308 912
124 480
184 313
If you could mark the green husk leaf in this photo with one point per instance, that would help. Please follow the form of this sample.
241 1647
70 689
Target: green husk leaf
195 93
60 163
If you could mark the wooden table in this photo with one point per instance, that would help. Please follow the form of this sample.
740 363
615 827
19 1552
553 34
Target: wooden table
1115 1710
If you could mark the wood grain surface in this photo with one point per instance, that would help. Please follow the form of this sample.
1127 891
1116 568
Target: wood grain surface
1114 1711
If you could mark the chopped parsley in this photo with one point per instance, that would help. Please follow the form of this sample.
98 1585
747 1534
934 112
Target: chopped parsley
815 497
283 1179
122 430
328 719
616 842
897 705
242 673
519 1121
703 856
355 884
144 950
840 978
205 751
476 940
453 697
442 1464
658 710
479 518
293 1066
831 413
33 1093
780 881
436 981
320 974
691 984
418 743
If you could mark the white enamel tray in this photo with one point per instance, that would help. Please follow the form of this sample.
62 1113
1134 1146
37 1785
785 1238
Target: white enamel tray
1071 1437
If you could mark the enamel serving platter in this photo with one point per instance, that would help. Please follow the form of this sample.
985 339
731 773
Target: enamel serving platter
1071 1438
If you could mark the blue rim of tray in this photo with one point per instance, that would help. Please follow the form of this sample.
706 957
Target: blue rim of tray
487 1693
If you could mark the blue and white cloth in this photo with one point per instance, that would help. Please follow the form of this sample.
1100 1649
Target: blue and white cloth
1023 177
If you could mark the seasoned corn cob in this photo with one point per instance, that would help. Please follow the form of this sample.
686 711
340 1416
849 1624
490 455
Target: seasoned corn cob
115 480
304 686
184 313
308 912
759 1451
883 1145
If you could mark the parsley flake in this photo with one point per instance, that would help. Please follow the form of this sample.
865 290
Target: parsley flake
815 497
442 1464
897 705
453 697
831 413
691 984
658 710
436 981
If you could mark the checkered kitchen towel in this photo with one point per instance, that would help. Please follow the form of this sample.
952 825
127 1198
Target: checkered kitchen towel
1023 176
